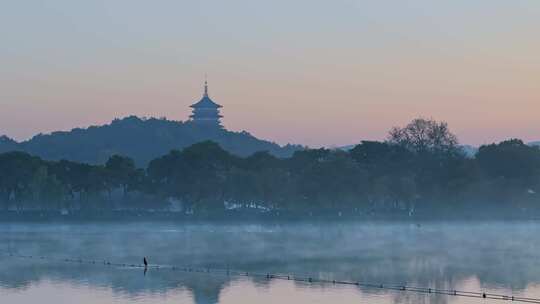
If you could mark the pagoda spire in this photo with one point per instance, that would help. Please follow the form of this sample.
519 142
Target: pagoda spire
205 86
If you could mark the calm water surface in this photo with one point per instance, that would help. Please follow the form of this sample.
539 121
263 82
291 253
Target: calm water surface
499 257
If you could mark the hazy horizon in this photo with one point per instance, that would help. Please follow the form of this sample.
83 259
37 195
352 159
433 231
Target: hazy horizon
307 72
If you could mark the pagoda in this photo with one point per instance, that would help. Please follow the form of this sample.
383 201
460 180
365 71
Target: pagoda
206 111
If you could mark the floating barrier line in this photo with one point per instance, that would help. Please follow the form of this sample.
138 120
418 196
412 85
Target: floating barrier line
305 279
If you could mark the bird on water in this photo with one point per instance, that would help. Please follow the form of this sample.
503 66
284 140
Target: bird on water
145 262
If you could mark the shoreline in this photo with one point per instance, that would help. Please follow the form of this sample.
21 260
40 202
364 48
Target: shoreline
166 216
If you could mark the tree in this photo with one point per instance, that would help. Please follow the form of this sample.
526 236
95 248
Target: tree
381 158
512 160
17 171
418 169
196 175
121 170
424 135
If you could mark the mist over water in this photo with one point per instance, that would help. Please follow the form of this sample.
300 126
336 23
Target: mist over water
493 256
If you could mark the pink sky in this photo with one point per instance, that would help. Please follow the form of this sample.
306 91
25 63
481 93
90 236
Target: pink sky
315 73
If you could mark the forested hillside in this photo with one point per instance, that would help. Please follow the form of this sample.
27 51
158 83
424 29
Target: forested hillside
140 139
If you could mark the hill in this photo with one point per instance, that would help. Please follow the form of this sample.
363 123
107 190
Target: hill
140 139
7 144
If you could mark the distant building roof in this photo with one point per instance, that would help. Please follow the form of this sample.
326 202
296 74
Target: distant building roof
205 101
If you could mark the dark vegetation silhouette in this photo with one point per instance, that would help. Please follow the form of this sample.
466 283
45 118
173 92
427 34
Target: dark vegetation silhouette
139 138
420 170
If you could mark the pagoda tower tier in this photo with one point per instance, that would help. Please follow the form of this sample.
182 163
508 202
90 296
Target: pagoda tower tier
206 111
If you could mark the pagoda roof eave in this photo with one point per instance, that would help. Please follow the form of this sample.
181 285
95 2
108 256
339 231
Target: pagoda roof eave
206 102
196 105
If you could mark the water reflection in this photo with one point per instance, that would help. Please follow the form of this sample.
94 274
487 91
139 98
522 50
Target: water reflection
495 256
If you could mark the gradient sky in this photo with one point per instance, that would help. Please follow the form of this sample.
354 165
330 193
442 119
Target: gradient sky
309 72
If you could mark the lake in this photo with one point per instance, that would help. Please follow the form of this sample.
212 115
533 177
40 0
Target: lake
494 257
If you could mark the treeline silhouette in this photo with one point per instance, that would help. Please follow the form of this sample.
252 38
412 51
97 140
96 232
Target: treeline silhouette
418 171
130 136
